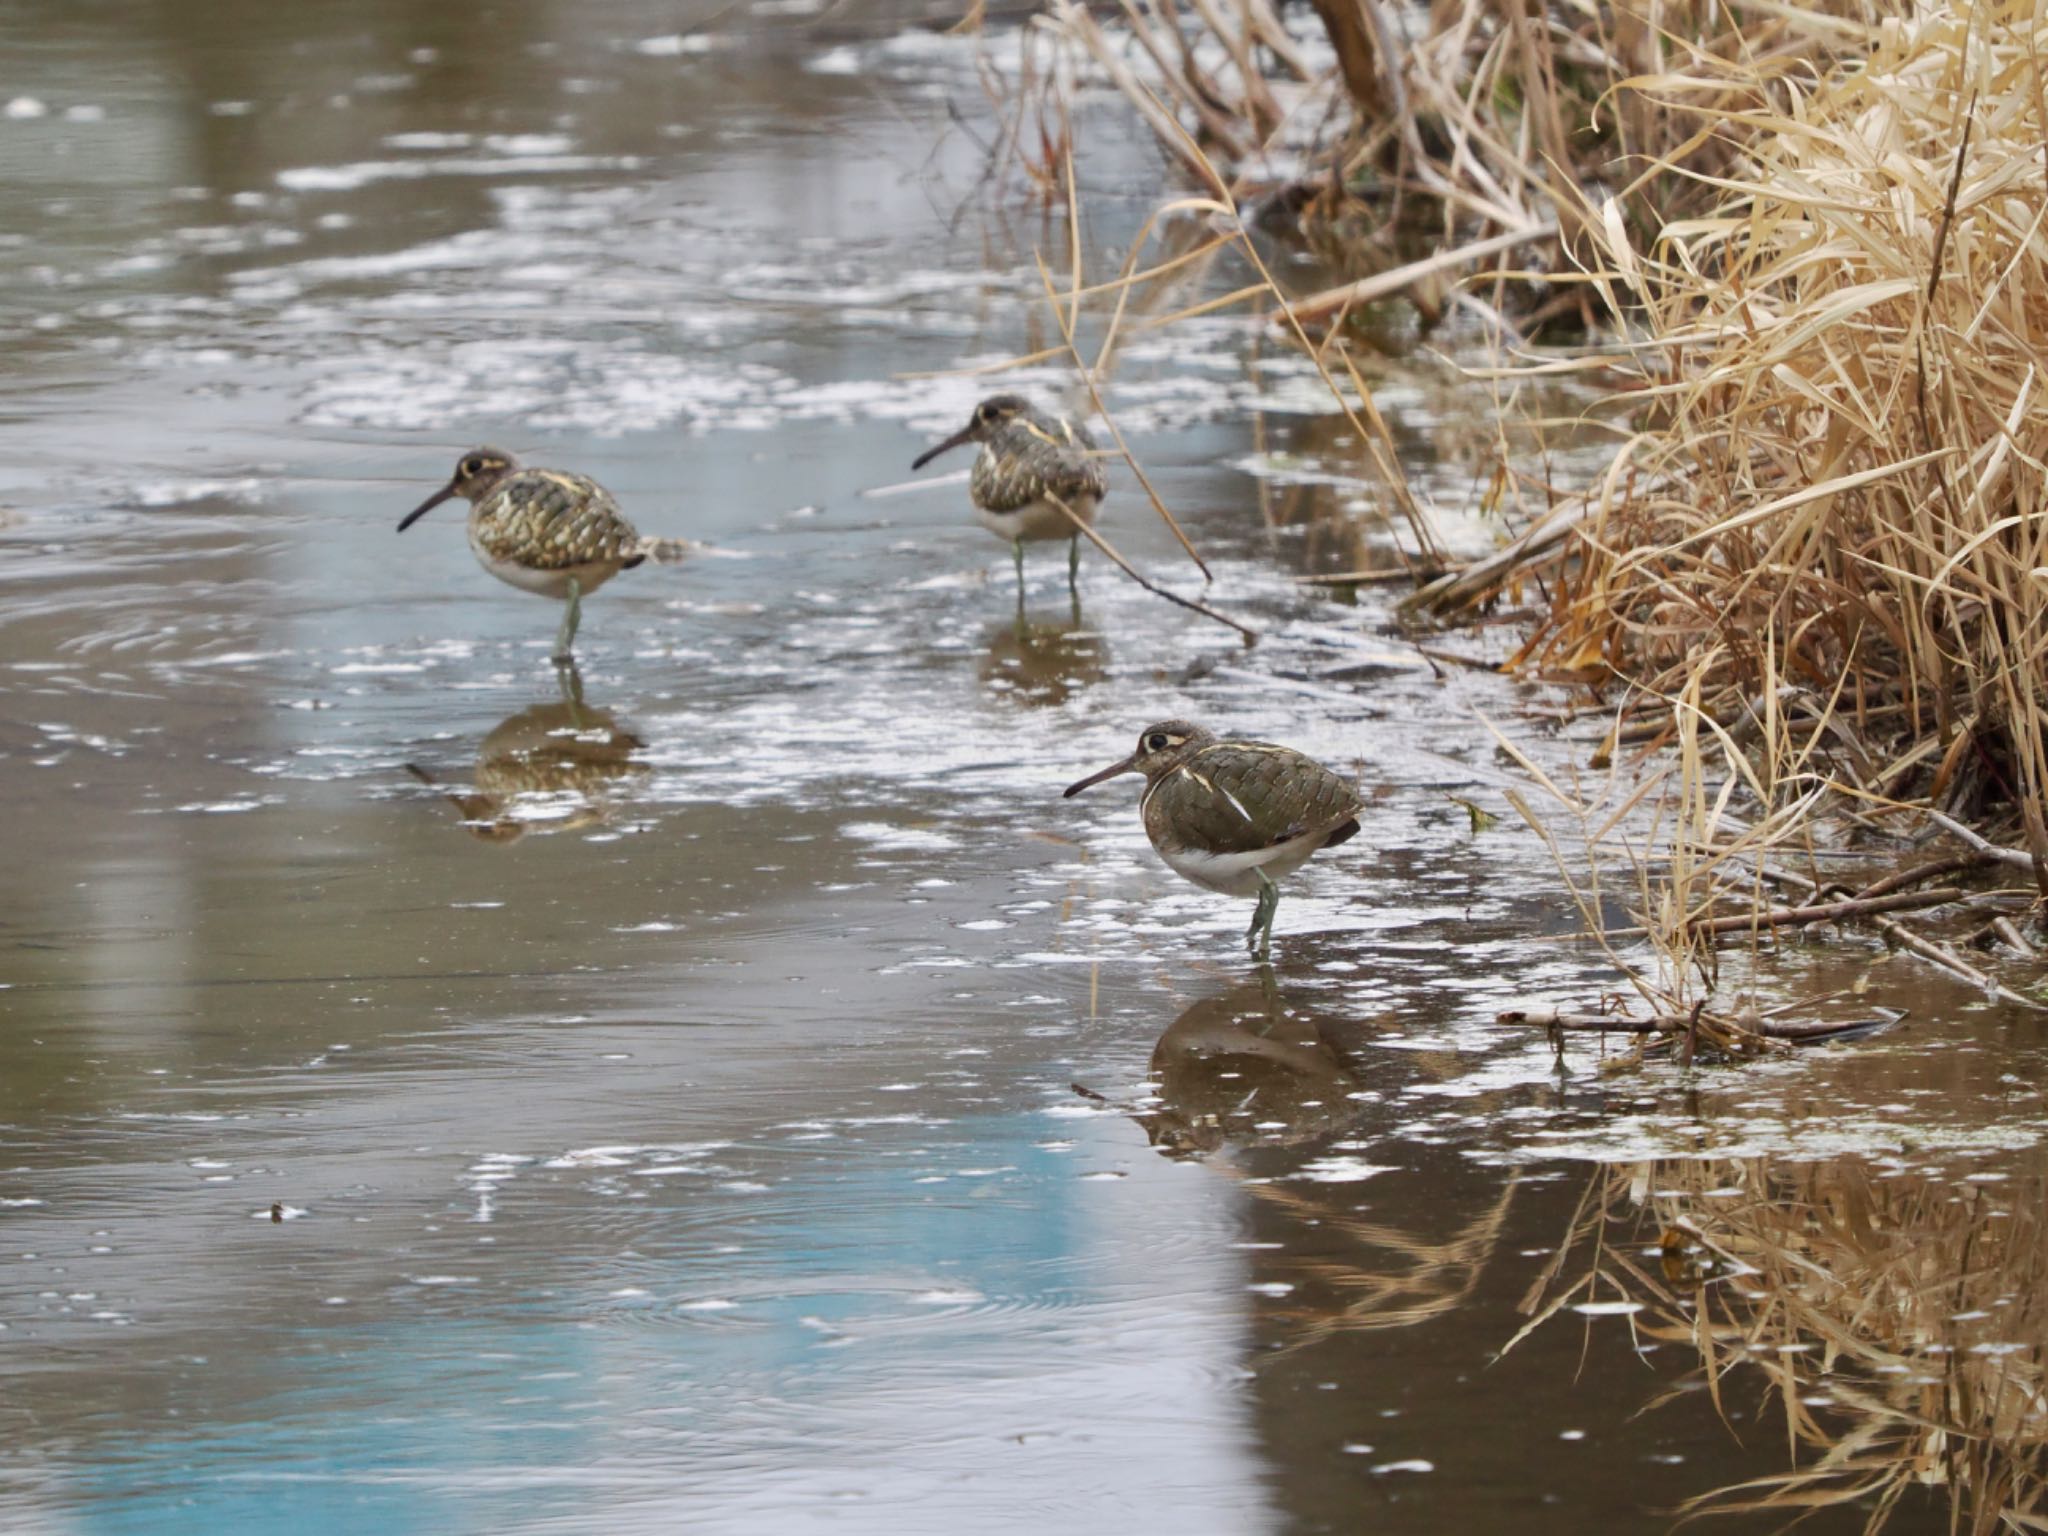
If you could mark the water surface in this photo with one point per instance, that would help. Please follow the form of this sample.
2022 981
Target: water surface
730 1088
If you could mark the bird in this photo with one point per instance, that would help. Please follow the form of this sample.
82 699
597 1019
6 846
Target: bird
1235 816
1030 462
542 530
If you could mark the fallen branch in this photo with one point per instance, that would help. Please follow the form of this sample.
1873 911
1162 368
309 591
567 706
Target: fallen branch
1543 1016
1899 880
1454 658
1546 1017
2017 858
1926 948
1251 636
2009 933
1824 912
1952 962
1373 577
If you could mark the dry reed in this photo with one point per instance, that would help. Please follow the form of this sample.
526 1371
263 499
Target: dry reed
1821 569
1476 129
1894 1319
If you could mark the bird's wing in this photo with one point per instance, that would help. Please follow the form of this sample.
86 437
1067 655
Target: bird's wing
1083 470
1028 460
549 520
1275 794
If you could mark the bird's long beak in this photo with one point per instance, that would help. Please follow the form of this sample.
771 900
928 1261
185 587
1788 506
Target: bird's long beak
1128 765
964 435
427 506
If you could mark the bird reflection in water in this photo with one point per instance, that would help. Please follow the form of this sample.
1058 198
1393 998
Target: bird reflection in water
550 768
1247 1066
1040 663
1257 1086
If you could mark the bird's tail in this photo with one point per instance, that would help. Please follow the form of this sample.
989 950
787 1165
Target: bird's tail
666 551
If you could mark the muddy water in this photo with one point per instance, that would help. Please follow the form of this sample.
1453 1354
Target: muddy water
729 1089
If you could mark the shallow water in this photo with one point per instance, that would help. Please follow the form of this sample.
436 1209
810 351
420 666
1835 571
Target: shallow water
731 1089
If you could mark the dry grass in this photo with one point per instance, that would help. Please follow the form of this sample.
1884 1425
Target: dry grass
1892 1325
1835 525
1821 570
1479 129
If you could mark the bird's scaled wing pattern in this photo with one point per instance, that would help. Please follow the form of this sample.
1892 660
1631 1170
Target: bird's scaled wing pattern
1239 797
547 520
1026 461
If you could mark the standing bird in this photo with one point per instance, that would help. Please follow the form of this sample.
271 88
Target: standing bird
1235 816
1029 457
542 530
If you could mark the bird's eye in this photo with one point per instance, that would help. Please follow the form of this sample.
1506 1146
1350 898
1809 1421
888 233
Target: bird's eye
472 466
1156 742
984 413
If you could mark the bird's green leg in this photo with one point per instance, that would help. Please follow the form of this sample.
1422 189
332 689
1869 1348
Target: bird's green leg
1074 566
567 633
1017 550
571 681
1259 937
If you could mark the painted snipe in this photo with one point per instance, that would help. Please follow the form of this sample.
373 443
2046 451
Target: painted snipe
1030 462
1235 816
542 530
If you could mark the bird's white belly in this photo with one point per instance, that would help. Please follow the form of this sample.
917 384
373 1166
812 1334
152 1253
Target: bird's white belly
553 584
1237 874
1038 519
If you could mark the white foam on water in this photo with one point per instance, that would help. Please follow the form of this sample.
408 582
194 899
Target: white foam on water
1340 1170
843 60
361 173
895 839
678 45
178 493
